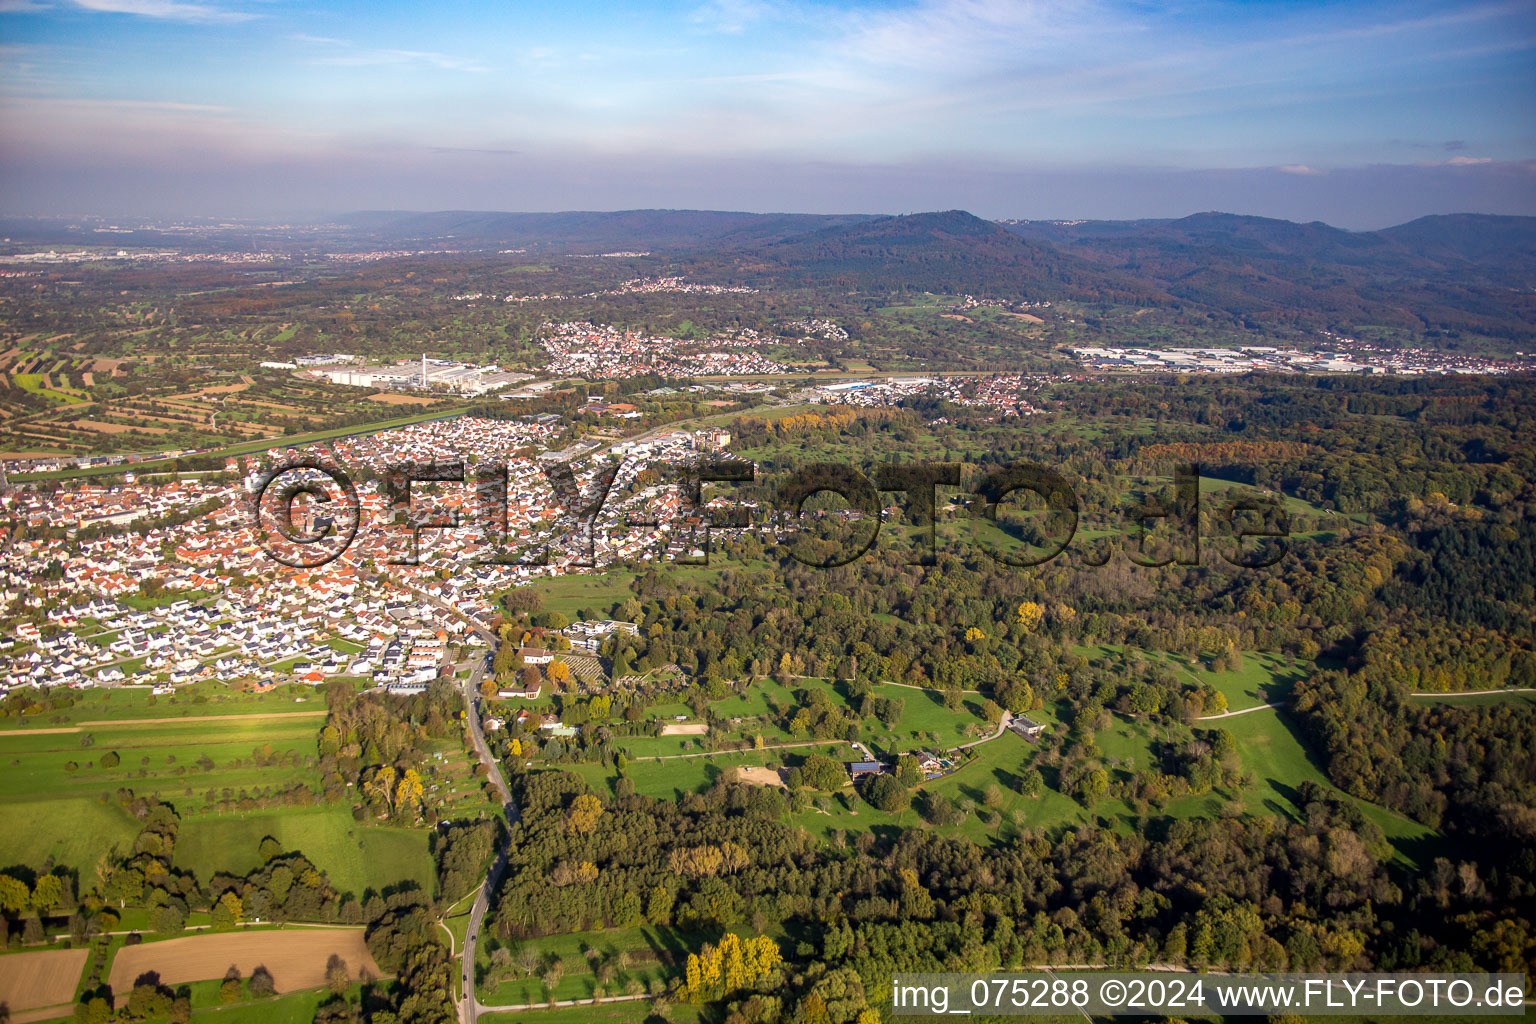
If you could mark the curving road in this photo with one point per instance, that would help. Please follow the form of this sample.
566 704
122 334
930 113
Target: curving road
469 1005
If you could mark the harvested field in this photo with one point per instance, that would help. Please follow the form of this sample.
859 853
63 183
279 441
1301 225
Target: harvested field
1029 317
295 956
401 399
31 981
759 776
685 729
220 389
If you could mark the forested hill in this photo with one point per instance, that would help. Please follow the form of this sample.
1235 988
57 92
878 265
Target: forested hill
1441 275
953 252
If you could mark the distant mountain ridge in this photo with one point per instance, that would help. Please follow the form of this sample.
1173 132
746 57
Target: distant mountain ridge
621 229
1455 273
1443 277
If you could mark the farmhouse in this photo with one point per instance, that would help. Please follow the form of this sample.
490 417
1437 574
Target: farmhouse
859 769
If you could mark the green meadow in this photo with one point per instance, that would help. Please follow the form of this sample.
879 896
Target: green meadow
641 948
355 856
63 802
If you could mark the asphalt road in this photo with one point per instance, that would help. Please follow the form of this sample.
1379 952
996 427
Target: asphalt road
469 1005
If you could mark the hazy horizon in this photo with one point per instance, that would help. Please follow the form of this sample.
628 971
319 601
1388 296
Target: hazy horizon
317 218
1360 115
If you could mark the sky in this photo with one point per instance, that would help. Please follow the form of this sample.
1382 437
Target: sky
1360 113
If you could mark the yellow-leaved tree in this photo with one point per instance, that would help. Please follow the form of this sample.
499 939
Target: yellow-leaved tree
716 972
408 793
582 817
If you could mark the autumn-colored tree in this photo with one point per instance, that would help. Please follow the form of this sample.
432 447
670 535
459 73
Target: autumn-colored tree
226 912
14 896
409 792
716 972
583 815
382 784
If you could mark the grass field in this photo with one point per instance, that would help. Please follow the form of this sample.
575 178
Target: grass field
1260 679
194 701
355 857
567 594
1267 743
156 757
646 949
294 1008
635 1012
74 832
224 745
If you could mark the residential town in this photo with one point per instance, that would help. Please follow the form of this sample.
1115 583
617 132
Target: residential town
169 584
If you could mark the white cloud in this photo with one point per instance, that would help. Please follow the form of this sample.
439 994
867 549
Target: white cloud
730 16
348 55
1301 169
170 10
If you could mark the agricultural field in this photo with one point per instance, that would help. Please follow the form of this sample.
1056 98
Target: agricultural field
38 981
57 400
296 957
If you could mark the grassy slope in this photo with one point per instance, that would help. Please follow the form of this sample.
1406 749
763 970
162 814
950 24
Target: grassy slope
356 857
36 786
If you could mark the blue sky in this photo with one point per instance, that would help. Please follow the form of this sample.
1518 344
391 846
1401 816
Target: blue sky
1359 113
